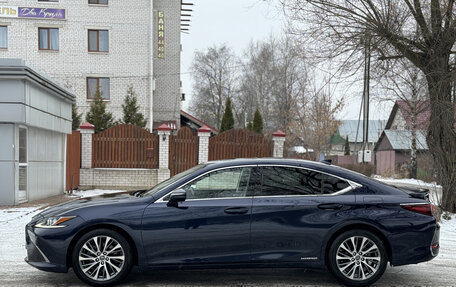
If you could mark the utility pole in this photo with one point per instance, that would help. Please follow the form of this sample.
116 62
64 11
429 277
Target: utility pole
367 59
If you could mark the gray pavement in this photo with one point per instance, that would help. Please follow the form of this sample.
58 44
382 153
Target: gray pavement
425 274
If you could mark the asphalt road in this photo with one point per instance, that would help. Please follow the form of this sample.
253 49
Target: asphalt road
424 274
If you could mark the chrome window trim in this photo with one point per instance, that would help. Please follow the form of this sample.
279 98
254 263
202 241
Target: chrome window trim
353 185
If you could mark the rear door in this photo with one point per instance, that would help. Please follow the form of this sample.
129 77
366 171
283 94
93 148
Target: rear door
292 212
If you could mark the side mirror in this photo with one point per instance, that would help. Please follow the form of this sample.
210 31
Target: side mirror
177 196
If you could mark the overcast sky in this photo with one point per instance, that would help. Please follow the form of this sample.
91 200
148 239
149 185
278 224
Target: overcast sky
237 23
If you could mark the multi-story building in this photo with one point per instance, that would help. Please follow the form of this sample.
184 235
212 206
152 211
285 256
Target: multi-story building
105 44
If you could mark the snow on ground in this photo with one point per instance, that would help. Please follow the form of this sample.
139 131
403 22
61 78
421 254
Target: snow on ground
93 192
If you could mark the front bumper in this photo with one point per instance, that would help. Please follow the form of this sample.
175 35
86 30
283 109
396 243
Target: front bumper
36 257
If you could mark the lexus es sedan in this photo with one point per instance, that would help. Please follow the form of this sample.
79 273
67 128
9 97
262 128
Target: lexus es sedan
239 214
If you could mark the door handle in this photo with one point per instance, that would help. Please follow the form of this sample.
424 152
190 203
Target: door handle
236 210
330 206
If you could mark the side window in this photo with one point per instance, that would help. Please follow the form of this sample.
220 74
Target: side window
233 182
298 181
332 184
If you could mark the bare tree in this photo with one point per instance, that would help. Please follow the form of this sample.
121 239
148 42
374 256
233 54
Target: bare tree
274 76
423 32
315 121
214 79
406 83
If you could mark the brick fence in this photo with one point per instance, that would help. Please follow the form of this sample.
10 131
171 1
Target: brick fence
140 178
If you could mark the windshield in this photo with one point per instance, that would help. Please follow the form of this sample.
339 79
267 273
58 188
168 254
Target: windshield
172 180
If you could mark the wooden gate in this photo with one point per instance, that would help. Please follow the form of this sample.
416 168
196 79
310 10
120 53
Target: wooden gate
73 160
239 143
183 150
125 146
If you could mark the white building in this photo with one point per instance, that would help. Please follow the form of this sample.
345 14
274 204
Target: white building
110 44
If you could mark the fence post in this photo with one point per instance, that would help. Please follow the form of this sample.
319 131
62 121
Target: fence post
203 149
87 130
279 139
164 131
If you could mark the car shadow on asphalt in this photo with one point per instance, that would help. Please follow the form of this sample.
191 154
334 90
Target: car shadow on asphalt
232 277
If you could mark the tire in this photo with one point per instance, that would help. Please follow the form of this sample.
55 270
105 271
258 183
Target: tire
102 257
360 269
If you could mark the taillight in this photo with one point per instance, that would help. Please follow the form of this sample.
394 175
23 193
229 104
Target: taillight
426 209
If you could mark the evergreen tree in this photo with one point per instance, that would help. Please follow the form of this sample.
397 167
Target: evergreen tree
131 113
250 126
76 118
257 122
97 114
347 146
228 118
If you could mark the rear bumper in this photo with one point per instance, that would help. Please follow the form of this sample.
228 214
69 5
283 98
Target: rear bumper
421 247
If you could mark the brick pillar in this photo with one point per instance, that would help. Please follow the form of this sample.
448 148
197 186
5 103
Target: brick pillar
278 139
203 150
164 132
87 130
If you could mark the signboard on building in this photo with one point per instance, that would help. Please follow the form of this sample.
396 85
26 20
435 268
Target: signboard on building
30 12
161 35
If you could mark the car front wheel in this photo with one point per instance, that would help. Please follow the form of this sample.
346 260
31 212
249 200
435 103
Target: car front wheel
102 257
357 258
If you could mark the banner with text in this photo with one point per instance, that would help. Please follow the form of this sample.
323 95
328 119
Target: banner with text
30 12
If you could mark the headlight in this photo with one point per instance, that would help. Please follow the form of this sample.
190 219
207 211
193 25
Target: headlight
53 222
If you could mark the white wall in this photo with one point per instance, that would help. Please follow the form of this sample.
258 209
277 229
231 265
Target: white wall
45 163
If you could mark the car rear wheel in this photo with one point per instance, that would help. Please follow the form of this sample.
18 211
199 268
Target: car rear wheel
357 258
102 257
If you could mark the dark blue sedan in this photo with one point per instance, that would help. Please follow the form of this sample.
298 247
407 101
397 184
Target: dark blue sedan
238 214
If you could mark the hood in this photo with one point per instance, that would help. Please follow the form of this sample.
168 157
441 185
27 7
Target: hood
68 207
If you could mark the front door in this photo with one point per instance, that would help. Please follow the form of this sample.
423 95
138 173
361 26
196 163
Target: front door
211 226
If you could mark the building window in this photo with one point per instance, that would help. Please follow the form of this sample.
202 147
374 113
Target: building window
101 2
98 83
98 40
3 37
48 39
23 159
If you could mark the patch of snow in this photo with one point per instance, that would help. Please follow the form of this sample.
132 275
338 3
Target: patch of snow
435 190
411 181
93 192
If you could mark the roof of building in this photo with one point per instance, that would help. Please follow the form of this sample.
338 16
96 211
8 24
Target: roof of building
301 149
195 121
405 107
351 128
402 139
18 68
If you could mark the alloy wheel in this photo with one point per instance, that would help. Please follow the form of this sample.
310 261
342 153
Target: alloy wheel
101 258
358 258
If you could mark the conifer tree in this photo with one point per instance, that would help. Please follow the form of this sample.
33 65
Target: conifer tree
250 126
97 115
257 122
347 146
76 118
228 118
131 113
